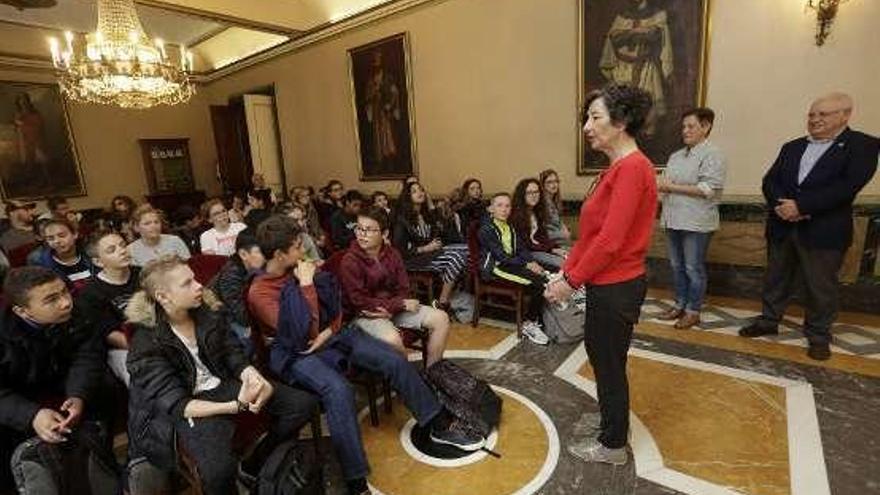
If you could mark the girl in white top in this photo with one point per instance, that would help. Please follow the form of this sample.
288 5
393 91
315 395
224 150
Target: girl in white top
221 238
147 222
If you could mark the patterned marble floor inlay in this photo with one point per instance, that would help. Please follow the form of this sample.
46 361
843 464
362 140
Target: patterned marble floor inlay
861 340
708 429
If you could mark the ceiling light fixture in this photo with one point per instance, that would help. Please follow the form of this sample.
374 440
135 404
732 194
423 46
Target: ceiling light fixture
118 64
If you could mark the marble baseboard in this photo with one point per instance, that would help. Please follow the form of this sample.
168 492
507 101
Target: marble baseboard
747 282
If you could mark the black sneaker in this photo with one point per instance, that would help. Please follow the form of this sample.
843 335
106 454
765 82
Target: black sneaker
819 352
757 329
457 438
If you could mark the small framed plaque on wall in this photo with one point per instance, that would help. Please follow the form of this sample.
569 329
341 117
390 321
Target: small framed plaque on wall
167 165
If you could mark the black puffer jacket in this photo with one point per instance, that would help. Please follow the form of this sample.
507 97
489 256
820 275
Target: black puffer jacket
163 373
229 285
39 364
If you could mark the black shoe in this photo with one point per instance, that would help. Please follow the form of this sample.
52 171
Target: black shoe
457 438
757 329
819 352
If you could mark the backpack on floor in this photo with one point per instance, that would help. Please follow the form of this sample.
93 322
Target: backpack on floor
474 405
565 326
285 473
40 467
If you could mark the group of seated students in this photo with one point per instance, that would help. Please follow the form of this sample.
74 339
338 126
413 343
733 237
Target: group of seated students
124 306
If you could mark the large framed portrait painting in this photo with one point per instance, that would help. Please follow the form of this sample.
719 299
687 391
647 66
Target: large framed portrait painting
37 152
658 45
382 93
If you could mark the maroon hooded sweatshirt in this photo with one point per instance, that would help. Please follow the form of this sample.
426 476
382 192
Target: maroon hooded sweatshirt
368 283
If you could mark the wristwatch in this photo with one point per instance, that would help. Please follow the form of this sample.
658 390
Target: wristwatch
243 406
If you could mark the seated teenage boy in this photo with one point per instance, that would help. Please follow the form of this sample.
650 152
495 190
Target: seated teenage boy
503 255
231 281
342 222
63 256
189 379
104 299
49 369
311 349
376 289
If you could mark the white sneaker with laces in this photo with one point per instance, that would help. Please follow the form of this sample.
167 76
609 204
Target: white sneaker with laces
533 331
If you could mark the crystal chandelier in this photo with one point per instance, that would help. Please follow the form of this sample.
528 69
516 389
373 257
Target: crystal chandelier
118 64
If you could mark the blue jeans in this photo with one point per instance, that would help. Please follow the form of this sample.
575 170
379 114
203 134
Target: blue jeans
687 257
323 374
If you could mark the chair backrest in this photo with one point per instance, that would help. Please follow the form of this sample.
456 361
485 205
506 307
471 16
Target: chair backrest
333 263
206 266
473 242
18 256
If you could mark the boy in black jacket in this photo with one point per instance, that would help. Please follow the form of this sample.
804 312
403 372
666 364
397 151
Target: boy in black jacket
344 220
232 281
504 255
104 299
189 379
49 367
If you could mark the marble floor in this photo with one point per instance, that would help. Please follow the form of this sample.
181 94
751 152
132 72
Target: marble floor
711 413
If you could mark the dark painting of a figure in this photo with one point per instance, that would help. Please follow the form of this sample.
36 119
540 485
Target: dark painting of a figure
381 99
657 45
37 154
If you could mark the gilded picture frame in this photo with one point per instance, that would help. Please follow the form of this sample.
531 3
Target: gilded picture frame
382 103
38 152
660 45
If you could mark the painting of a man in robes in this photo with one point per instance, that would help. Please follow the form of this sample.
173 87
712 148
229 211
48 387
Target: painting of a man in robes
37 153
657 45
381 88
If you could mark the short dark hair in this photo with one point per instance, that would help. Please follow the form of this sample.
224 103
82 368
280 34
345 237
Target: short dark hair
54 202
277 233
352 196
264 195
704 115
95 239
377 214
376 194
500 194
627 105
246 240
20 281
14 204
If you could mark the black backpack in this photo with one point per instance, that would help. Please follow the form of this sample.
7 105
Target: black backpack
284 473
473 403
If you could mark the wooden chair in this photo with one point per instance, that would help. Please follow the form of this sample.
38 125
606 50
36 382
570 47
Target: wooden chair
422 283
487 292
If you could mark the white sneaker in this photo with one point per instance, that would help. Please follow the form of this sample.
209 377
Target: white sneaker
533 331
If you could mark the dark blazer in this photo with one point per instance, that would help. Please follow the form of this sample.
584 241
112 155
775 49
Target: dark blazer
826 194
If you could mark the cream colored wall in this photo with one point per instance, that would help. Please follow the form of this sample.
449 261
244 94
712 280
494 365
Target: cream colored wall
109 153
495 83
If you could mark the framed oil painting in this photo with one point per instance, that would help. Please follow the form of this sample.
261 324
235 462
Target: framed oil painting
381 89
37 151
658 45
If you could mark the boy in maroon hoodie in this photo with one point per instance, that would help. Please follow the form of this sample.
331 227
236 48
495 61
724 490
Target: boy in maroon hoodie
376 289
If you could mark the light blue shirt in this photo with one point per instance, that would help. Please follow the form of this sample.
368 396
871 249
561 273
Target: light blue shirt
815 149
705 167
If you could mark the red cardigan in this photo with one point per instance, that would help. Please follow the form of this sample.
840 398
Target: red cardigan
615 226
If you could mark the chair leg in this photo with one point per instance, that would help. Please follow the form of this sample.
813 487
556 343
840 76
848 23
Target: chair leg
371 401
386 394
475 319
519 314
316 433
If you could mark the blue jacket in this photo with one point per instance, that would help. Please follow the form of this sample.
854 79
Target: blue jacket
826 194
492 252
294 320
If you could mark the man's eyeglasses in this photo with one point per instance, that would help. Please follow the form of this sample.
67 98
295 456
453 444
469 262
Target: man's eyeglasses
366 230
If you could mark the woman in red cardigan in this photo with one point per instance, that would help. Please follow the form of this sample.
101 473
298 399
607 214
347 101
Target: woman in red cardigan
608 258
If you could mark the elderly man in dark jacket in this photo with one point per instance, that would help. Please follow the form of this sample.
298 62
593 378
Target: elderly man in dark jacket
810 191
50 368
